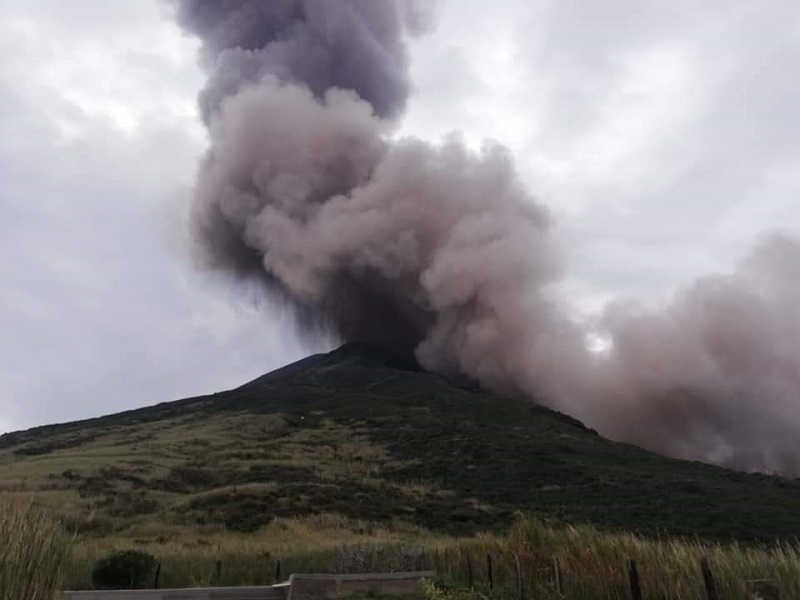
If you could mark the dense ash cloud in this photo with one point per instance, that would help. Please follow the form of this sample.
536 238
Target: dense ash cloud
262 58
441 250
394 243
355 45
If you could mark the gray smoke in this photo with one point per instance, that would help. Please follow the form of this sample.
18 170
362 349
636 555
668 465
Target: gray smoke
354 45
715 375
441 250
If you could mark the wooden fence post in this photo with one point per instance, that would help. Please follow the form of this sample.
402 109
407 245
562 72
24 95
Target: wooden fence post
559 576
520 584
277 570
489 573
633 578
219 572
157 578
469 571
708 579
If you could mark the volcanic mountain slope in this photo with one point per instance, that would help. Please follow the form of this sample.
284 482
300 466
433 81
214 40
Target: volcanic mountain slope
370 437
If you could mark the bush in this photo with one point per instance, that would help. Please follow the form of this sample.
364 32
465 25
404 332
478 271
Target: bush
34 550
124 570
247 522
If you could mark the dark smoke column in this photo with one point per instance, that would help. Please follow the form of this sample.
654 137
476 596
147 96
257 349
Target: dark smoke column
265 49
321 44
413 247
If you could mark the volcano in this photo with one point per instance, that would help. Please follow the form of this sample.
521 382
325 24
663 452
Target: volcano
368 435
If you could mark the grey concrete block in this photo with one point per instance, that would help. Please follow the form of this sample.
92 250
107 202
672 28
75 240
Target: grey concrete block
341 586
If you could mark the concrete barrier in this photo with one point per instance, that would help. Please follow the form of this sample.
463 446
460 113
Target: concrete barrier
273 592
338 587
299 587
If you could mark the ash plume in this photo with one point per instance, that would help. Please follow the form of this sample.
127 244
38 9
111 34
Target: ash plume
716 374
440 250
355 45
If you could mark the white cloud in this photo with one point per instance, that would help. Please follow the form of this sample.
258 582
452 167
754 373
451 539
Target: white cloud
100 307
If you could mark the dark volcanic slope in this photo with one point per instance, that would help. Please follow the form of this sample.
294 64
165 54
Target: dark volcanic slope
367 436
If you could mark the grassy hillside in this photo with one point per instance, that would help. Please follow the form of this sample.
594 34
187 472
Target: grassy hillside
355 434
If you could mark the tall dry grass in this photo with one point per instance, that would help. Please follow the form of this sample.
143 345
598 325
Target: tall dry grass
34 552
594 565
593 562
308 544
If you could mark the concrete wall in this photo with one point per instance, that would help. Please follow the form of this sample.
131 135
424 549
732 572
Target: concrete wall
339 587
299 587
219 593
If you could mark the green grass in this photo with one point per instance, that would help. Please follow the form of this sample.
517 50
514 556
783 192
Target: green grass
34 552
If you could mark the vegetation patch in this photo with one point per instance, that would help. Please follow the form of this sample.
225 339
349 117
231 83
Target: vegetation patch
34 552
124 570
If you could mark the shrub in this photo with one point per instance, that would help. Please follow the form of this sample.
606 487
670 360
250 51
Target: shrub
34 550
247 522
126 569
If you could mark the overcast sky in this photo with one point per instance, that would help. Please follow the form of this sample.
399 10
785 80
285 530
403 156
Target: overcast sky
664 135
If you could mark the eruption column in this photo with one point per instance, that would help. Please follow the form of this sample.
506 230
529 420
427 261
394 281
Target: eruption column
441 251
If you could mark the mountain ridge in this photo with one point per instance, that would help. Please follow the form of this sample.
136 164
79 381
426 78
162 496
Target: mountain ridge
371 436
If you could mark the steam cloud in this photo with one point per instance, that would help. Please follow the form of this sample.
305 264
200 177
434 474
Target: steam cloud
441 250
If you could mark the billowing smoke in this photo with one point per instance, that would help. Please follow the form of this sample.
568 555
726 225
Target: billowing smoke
441 250
716 375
